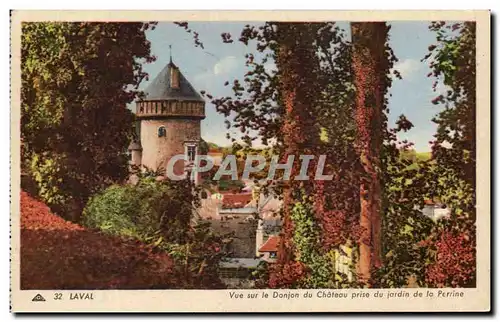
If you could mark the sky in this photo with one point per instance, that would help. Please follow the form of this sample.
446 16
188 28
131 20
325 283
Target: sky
209 68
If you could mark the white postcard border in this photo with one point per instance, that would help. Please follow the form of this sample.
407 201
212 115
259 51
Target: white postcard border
477 299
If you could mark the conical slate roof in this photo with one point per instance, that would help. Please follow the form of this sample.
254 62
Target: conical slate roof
161 89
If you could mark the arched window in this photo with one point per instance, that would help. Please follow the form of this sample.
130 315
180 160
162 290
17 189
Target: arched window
162 131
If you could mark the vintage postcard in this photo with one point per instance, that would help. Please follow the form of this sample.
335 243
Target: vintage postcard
250 161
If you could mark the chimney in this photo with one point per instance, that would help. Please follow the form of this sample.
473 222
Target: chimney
174 77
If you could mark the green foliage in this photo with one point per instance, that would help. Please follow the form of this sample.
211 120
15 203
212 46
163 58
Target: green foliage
149 211
76 81
199 257
453 61
260 275
46 174
322 267
306 238
230 185
114 212
436 254
305 234
405 186
454 149
213 146
424 156
204 147
404 257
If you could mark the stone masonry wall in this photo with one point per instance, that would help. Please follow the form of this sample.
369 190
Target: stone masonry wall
157 151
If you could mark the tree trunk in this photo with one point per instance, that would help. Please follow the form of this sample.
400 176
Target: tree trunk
296 62
368 57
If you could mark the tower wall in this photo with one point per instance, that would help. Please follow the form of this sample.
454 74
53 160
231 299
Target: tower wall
136 158
157 151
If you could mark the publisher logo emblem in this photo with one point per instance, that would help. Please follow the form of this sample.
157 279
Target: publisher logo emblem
38 298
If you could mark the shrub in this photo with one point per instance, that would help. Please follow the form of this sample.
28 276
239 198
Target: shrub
230 185
58 254
150 211
160 213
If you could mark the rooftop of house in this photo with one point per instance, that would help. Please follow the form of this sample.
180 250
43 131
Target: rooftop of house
236 200
240 263
161 87
271 223
271 245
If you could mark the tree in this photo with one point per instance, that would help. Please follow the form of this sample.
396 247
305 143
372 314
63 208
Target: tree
304 106
76 81
405 187
370 66
204 147
307 106
297 64
453 61
435 254
149 210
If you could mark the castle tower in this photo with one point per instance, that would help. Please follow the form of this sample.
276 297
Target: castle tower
169 121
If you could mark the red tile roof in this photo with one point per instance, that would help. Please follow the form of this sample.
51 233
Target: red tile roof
271 245
430 202
236 200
